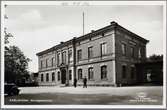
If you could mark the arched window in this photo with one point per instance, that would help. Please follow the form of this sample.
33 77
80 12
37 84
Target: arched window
53 76
41 77
123 71
58 76
132 72
79 74
139 53
47 77
70 75
90 73
103 72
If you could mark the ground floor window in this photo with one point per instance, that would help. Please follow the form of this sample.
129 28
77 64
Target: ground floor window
132 72
123 71
148 75
79 74
58 76
104 72
47 76
70 75
53 76
90 73
41 77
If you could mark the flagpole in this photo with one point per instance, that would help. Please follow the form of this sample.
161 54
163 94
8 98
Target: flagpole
83 24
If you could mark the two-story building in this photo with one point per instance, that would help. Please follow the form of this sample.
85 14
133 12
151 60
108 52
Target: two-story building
106 56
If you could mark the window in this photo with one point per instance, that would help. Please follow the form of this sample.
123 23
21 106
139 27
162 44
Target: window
104 72
46 63
79 74
70 55
52 60
90 73
41 77
102 34
90 52
58 76
132 51
123 46
132 72
70 75
41 64
103 49
64 57
79 55
123 71
47 77
139 53
53 76
58 59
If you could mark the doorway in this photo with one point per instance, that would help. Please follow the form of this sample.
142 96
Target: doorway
63 76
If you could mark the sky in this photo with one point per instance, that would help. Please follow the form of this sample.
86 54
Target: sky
36 28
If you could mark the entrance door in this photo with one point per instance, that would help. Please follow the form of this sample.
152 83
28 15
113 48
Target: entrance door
63 76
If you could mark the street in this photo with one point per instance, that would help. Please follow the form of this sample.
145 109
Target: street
132 95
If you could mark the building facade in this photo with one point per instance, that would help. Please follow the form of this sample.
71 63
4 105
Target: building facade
106 57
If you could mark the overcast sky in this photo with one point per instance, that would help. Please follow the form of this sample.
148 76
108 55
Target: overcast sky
36 28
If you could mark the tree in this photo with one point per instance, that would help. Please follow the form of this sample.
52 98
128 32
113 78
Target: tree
155 57
16 64
7 35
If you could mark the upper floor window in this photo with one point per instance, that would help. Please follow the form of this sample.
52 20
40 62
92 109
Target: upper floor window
90 73
52 60
103 49
79 54
53 76
79 74
58 59
64 57
70 55
90 52
102 34
139 53
41 77
104 72
41 63
132 51
46 63
123 47
47 77
123 71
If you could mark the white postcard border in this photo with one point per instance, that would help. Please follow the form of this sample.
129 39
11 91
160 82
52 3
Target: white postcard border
90 3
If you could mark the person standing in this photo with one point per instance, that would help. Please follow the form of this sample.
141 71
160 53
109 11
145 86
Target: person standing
75 82
85 82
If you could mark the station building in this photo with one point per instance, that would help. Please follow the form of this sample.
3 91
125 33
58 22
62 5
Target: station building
106 56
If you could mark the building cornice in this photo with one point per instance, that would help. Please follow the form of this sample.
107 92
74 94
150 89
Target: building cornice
113 25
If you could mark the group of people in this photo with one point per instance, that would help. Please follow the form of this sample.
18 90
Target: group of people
84 82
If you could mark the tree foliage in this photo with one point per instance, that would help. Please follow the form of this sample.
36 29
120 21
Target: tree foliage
7 35
155 57
16 64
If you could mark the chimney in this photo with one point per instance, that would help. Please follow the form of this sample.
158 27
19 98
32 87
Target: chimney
92 31
113 23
